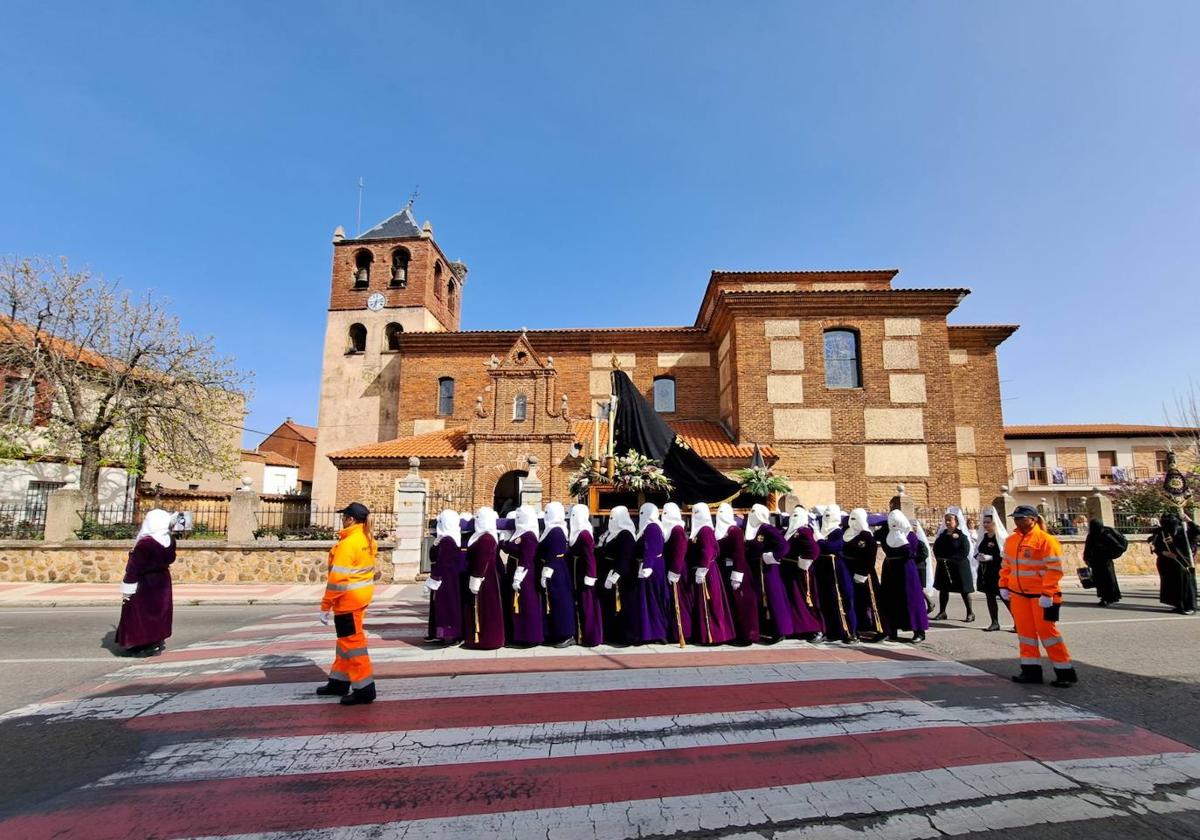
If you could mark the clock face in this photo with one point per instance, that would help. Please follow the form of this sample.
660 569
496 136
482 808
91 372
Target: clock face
376 301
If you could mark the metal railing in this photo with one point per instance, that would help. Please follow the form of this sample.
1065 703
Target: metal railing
208 519
18 522
1079 477
301 522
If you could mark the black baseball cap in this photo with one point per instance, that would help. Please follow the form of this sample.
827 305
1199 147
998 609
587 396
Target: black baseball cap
1027 511
358 511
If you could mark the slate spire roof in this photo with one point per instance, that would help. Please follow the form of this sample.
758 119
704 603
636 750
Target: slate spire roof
399 226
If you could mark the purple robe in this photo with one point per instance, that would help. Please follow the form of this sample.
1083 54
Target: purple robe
589 626
712 618
775 610
558 622
902 591
652 600
446 604
616 604
835 586
146 617
484 627
675 560
860 554
523 605
801 583
743 599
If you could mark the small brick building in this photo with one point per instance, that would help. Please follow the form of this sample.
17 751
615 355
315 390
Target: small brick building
848 384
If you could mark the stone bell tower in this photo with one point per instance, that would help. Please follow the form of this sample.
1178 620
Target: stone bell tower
390 280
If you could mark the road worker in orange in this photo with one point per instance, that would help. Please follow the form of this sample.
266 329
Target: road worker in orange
1029 579
347 593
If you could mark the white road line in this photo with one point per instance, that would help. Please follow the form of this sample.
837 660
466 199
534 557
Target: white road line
346 752
122 707
1024 793
1130 620
370 621
326 635
43 659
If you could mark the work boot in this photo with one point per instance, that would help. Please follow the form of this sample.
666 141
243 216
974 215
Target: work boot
1031 674
334 688
1064 677
366 694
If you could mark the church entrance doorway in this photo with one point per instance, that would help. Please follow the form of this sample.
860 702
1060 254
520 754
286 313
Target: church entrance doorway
507 496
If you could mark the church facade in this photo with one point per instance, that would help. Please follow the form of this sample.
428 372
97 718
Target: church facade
849 384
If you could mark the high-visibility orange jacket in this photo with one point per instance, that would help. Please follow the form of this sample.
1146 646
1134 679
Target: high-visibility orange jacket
351 580
1032 564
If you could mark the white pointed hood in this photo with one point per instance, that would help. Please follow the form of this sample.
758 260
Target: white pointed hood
701 519
485 523
449 525
619 520
647 514
581 521
898 529
672 516
725 520
858 523
555 519
759 516
831 521
525 520
157 526
798 519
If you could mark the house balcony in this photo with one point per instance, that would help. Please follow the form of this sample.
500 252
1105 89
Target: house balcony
1064 479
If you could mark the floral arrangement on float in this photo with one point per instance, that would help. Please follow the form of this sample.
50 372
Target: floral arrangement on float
760 483
632 472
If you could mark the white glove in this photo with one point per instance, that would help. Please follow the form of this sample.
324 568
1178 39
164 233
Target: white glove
611 580
324 617
1045 601
474 584
860 578
432 585
728 562
672 578
1004 595
769 559
589 581
128 590
735 580
805 563
701 574
645 572
518 576
547 573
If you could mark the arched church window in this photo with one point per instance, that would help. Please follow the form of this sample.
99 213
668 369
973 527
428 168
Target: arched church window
843 363
358 338
400 260
445 396
520 408
391 335
362 268
437 279
664 394
450 295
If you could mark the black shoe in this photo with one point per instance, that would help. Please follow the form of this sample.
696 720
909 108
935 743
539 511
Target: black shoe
1064 677
992 628
1030 674
970 617
1103 603
565 643
940 617
334 688
918 637
363 695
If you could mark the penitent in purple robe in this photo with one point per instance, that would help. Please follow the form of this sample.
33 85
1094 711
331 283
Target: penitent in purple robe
616 604
589 623
801 583
744 599
146 617
524 605
484 625
775 610
902 592
652 602
835 585
446 604
860 554
675 560
559 620
712 617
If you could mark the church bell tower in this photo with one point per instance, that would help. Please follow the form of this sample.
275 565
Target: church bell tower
387 281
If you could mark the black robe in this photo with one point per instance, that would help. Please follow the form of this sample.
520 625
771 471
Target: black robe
987 579
1104 544
953 555
1176 570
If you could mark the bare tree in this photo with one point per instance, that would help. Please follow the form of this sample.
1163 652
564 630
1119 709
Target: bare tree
95 374
1185 416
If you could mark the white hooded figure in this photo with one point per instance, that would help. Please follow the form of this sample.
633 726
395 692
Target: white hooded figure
618 521
156 525
929 561
647 516
485 523
701 519
526 520
857 524
831 521
580 523
448 525
555 519
725 520
672 516
758 516
898 529
797 519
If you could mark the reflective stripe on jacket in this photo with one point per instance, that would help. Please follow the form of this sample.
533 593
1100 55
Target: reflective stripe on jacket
351 581
1032 564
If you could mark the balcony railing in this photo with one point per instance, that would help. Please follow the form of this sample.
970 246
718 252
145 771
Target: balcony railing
1082 477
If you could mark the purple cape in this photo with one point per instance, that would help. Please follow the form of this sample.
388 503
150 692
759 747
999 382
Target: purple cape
446 604
486 609
801 584
559 619
589 629
902 593
742 599
146 617
523 606
712 618
775 610
652 601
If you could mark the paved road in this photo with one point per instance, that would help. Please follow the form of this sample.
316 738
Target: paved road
223 738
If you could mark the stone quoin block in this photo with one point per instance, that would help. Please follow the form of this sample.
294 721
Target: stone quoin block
901 326
959 357
803 424
433 424
900 355
907 387
781 327
899 459
787 355
894 423
783 388
964 438
812 492
599 383
604 360
678 360
970 498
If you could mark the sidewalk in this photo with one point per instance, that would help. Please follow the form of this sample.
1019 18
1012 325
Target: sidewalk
230 594
186 594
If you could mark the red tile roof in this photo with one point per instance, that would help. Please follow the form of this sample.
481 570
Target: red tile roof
707 438
1095 430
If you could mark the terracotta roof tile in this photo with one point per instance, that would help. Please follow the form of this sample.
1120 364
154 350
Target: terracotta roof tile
309 433
447 443
707 438
1094 430
274 459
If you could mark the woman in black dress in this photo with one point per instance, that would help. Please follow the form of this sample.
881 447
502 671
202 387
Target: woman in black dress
990 554
1104 544
1174 544
952 550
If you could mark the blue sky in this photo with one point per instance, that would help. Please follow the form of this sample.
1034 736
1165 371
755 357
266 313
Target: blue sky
593 162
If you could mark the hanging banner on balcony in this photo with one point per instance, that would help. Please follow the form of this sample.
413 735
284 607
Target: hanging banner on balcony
639 427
